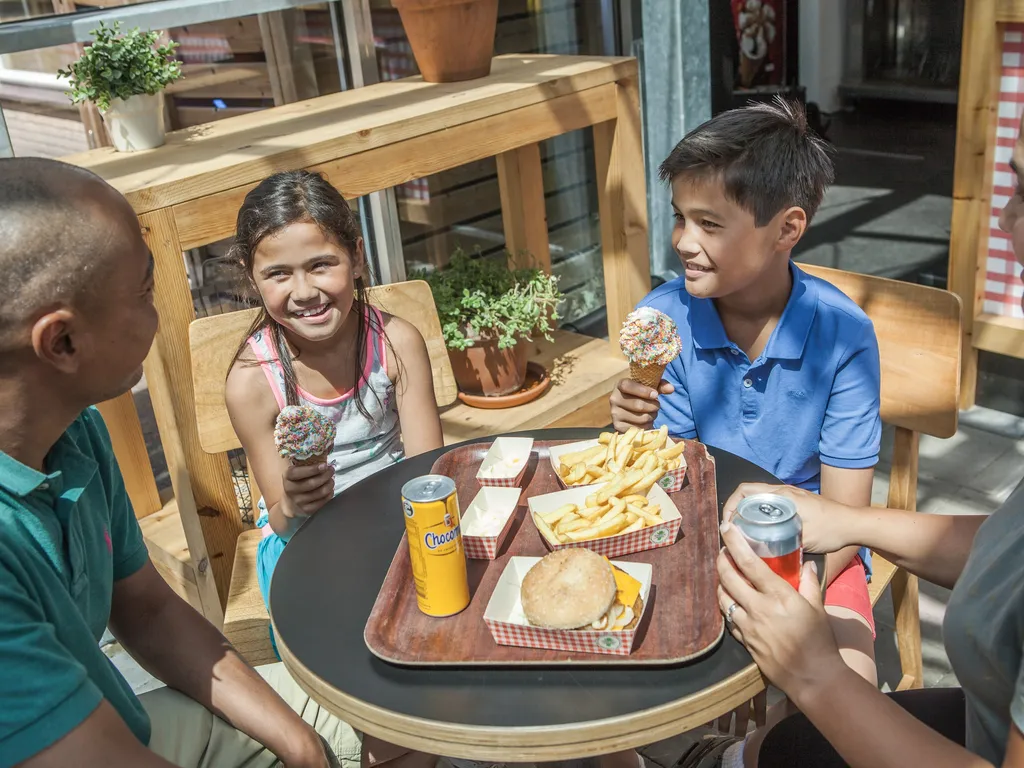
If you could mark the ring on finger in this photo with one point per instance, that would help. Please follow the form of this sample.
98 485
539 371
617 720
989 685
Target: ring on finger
729 612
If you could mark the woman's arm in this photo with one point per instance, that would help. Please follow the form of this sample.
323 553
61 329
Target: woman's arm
933 547
851 487
409 367
788 635
868 728
289 493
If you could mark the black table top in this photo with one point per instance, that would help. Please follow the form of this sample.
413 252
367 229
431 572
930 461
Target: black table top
327 581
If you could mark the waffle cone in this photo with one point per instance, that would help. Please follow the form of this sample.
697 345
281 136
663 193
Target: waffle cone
749 67
312 461
648 375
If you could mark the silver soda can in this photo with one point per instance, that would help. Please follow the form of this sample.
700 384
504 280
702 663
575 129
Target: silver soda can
773 528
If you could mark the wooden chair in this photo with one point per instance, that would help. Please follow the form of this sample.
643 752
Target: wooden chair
919 342
213 342
919 331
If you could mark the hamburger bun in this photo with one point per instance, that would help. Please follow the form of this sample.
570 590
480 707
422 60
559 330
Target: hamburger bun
568 589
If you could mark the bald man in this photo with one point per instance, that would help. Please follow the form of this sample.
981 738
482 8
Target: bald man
76 322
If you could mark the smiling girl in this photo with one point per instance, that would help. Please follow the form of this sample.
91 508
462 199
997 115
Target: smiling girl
317 342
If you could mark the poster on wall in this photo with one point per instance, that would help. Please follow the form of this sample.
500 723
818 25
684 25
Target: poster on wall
760 33
1002 285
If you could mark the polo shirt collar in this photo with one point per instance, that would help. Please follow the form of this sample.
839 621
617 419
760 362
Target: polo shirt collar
21 480
790 335
706 326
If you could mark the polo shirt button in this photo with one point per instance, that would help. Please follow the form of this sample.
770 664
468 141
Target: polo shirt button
748 383
44 486
734 351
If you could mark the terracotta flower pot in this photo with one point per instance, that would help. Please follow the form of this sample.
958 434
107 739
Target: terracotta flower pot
452 40
483 369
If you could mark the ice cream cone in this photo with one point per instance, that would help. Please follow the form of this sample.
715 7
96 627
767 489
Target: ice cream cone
312 461
749 67
304 436
648 375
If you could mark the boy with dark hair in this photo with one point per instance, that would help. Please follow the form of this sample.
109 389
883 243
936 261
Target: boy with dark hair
777 366
76 322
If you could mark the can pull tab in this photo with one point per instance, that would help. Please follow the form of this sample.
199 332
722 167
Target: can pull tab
770 510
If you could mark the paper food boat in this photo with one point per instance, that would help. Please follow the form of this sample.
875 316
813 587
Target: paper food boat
621 544
487 520
505 462
671 482
508 625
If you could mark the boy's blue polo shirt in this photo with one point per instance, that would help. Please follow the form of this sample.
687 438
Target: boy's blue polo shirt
811 397
65 538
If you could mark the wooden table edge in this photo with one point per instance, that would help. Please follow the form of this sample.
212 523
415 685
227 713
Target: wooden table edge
528 744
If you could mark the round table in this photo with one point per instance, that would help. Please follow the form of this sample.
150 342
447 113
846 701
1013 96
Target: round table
327 581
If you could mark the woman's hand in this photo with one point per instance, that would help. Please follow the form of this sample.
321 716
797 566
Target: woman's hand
306 489
786 631
824 521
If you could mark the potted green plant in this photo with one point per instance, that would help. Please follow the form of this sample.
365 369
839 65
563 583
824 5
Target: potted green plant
451 40
124 75
487 310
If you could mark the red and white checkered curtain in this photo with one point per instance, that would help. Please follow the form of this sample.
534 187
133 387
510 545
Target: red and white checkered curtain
1003 288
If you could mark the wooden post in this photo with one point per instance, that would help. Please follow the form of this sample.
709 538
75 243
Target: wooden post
903 495
622 203
972 173
171 383
191 522
523 214
291 70
92 121
129 446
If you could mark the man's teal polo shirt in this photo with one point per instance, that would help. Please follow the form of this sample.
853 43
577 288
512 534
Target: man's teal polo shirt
65 538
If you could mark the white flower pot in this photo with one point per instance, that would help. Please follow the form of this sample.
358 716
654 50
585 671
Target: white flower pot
136 123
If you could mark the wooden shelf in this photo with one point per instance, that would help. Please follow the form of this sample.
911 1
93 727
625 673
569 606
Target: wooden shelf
582 369
198 162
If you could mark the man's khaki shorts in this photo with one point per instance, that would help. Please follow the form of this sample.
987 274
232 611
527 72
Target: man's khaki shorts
188 735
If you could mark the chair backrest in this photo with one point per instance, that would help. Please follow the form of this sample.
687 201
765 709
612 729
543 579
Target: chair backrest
214 340
919 336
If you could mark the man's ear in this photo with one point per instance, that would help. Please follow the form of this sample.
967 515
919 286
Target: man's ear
54 339
791 228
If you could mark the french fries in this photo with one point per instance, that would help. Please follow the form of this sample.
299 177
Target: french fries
618 514
628 465
637 458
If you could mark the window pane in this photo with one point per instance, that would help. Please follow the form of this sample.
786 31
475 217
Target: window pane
231 67
461 207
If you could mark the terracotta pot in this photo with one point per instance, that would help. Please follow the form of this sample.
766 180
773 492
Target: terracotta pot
452 40
483 369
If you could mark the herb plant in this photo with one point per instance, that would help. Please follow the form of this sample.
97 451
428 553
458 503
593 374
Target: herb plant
119 66
483 298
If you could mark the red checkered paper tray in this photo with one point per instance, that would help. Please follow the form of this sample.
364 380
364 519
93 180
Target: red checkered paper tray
619 545
508 625
505 462
671 482
487 521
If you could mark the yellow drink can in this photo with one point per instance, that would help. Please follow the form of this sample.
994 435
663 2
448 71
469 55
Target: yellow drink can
432 524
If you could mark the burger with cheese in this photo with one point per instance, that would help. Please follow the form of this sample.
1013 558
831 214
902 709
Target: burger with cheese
578 589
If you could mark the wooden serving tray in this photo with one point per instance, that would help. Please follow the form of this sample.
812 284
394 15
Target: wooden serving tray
681 623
